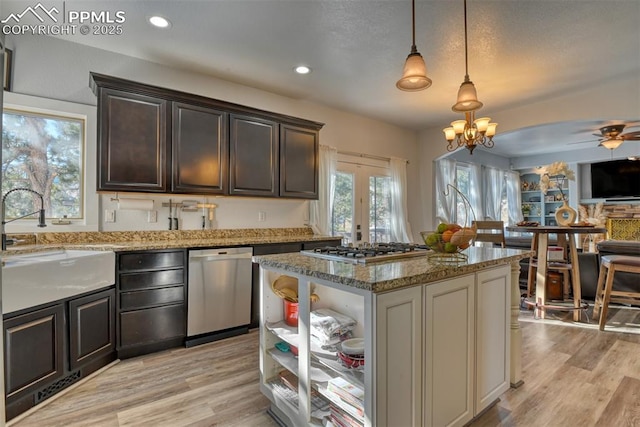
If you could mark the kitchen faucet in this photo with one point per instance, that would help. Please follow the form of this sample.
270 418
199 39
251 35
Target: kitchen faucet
41 222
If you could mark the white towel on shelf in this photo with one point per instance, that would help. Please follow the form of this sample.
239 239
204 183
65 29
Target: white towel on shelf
327 326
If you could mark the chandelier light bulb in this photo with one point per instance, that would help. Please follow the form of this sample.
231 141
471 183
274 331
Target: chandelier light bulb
458 126
491 130
482 124
449 134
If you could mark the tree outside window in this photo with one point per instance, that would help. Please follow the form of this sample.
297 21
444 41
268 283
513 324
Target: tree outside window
44 153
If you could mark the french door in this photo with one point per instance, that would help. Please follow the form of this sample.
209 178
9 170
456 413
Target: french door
362 204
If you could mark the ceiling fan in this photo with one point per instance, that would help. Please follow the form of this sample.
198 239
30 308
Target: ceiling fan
611 136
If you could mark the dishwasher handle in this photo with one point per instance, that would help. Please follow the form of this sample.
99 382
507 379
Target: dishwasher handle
220 256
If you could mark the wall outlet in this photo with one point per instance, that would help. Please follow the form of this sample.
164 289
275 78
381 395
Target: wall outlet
109 215
262 216
152 216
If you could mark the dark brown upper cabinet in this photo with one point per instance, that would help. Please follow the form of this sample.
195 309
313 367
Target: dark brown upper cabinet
199 150
253 161
132 142
298 162
152 139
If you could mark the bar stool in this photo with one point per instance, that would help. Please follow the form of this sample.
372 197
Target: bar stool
609 265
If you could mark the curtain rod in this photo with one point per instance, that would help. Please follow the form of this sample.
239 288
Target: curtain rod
368 156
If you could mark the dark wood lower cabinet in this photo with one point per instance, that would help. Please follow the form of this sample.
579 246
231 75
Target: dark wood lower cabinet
33 350
46 349
92 324
151 306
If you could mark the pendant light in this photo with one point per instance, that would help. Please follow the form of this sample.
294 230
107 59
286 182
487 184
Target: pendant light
467 95
414 75
469 132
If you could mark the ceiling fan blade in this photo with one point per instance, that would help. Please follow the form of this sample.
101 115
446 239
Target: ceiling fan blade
631 136
584 142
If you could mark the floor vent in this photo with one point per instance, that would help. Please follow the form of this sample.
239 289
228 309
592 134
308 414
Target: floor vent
54 388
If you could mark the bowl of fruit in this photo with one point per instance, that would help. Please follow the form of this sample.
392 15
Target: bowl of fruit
449 238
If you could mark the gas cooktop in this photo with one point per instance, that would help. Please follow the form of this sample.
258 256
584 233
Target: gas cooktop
367 253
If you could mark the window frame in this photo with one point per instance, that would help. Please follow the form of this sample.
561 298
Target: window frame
87 113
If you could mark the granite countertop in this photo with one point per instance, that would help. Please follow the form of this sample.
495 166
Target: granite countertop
390 275
135 241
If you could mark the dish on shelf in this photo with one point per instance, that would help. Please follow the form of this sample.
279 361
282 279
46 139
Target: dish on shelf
351 360
353 346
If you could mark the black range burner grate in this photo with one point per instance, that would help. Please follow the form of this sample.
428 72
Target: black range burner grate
363 252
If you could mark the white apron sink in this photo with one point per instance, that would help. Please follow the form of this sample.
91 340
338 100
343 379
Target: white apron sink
34 279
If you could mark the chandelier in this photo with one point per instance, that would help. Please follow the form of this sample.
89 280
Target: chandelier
469 132
414 75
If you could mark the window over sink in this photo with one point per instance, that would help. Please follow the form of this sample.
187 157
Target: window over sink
45 144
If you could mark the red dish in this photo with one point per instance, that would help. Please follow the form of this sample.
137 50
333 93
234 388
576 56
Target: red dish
351 360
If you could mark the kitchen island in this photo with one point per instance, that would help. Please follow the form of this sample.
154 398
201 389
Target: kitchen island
441 338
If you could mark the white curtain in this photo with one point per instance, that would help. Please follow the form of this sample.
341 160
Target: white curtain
320 210
445 199
400 230
514 197
475 194
493 186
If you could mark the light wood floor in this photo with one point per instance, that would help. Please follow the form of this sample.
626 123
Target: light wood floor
573 377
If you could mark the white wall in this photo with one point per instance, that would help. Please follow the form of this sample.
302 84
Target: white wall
52 68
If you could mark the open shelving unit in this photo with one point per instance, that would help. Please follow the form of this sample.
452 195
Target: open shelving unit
314 366
542 207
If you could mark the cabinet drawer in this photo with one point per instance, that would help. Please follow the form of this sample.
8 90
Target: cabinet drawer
150 298
152 325
149 261
150 279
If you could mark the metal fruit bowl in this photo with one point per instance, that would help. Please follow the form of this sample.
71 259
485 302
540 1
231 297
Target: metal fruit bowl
451 240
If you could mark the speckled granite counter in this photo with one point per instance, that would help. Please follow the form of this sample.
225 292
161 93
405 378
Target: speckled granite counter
386 276
149 240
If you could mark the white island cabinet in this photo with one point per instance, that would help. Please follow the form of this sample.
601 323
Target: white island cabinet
437 337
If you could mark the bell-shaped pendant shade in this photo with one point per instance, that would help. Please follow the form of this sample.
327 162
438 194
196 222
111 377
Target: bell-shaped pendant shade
414 76
467 98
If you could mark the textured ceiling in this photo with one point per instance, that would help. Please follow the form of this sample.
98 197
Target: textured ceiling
520 51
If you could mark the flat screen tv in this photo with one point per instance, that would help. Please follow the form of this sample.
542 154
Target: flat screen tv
615 179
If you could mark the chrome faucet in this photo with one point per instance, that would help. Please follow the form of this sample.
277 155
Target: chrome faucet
41 222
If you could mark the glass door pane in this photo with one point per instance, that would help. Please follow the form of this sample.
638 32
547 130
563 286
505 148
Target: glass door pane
342 217
379 209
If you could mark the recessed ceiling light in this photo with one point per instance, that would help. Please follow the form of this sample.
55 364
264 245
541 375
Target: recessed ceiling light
159 21
302 69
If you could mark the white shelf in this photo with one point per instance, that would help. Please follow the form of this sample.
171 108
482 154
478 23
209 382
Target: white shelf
290 335
338 402
290 362
355 376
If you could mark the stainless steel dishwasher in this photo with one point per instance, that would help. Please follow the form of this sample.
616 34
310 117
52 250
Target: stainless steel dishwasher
219 294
